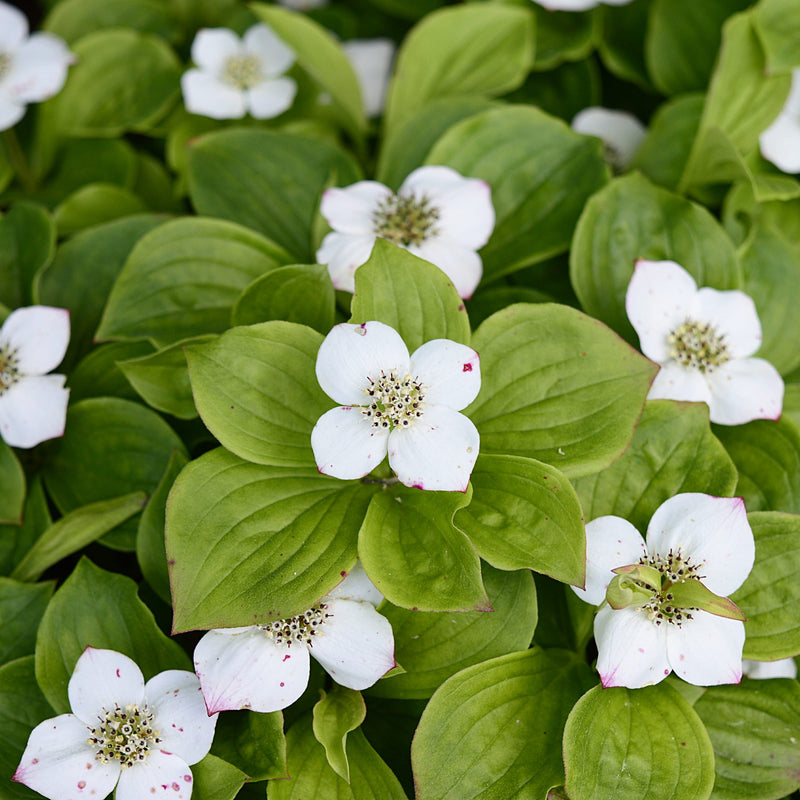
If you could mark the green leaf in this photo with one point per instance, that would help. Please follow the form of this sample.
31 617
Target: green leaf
21 608
12 479
98 373
557 386
96 204
621 45
672 451
541 174
611 738
492 730
777 23
433 646
412 296
95 608
252 742
478 49
215 779
339 712
525 514
562 36
16 540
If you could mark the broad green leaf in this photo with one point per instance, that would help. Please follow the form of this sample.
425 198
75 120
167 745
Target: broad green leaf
432 646
621 45
631 219
754 730
27 244
562 36
252 742
541 174
492 730
777 23
21 608
557 386
249 544
525 514
96 204
16 540
154 185
612 738
95 608
12 479
416 556
182 279
98 373
672 451
338 712
257 392
410 295
215 779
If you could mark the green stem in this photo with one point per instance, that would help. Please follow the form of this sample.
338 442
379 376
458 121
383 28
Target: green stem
18 161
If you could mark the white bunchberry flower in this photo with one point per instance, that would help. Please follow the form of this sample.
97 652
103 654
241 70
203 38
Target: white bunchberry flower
578 5
621 132
33 405
236 76
699 550
436 214
780 142
703 339
266 667
372 62
32 68
405 406
122 732
763 670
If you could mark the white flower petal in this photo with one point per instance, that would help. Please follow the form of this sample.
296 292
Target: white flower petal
676 382
162 774
356 644
102 679
180 714
706 650
11 110
39 335
611 542
13 27
620 130
780 142
242 668
710 530
660 296
372 63
33 410
357 586
437 452
271 97
212 47
351 209
59 762
460 263
343 254
631 650
39 68
345 444
351 355
450 371
733 314
275 55
207 95
763 670
745 389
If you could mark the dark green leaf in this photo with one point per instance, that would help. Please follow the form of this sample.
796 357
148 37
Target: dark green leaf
21 608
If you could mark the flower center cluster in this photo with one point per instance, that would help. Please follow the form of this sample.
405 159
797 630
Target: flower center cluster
9 369
124 734
300 629
674 568
5 65
404 220
698 346
243 72
394 402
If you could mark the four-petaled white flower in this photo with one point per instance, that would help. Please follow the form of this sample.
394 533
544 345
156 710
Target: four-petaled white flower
578 5
32 68
780 142
33 405
703 339
621 132
236 76
372 62
691 539
122 732
436 214
406 406
764 670
266 667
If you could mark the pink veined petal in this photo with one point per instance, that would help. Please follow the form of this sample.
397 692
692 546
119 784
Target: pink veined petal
620 130
12 110
631 650
660 296
208 96
39 335
763 670
353 355
275 55
371 60
706 650
611 542
243 668
712 531
270 98
466 213
676 382
33 410
102 679
343 254
450 371
745 389
356 586
180 714
351 209
13 28
212 47
59 762
356 644
346 445
437 453
161 774
733 314
39 68
460 263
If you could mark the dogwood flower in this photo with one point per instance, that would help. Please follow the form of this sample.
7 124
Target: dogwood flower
405 406
266 667
667 606
621 132
703 339
763 670
372 62
236 76
122 732
33 405
437 214
780 142
32 68
578 5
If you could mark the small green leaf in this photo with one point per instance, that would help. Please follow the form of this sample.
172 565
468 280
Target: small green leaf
98 373
95 204
215 779
12 479
252 742
21 608
694 594
562 36
339 712
16 540
777 23
72 19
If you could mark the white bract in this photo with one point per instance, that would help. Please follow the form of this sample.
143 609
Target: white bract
578 5
236 76
763 670
703 339
699 550
33 405
372 62
436 214
621 132
405 406
32 68
122 732
780 142
266 667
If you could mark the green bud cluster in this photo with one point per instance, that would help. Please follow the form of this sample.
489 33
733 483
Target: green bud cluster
300 629
124 734
9 364
698 346
404 220
243 72
394 402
